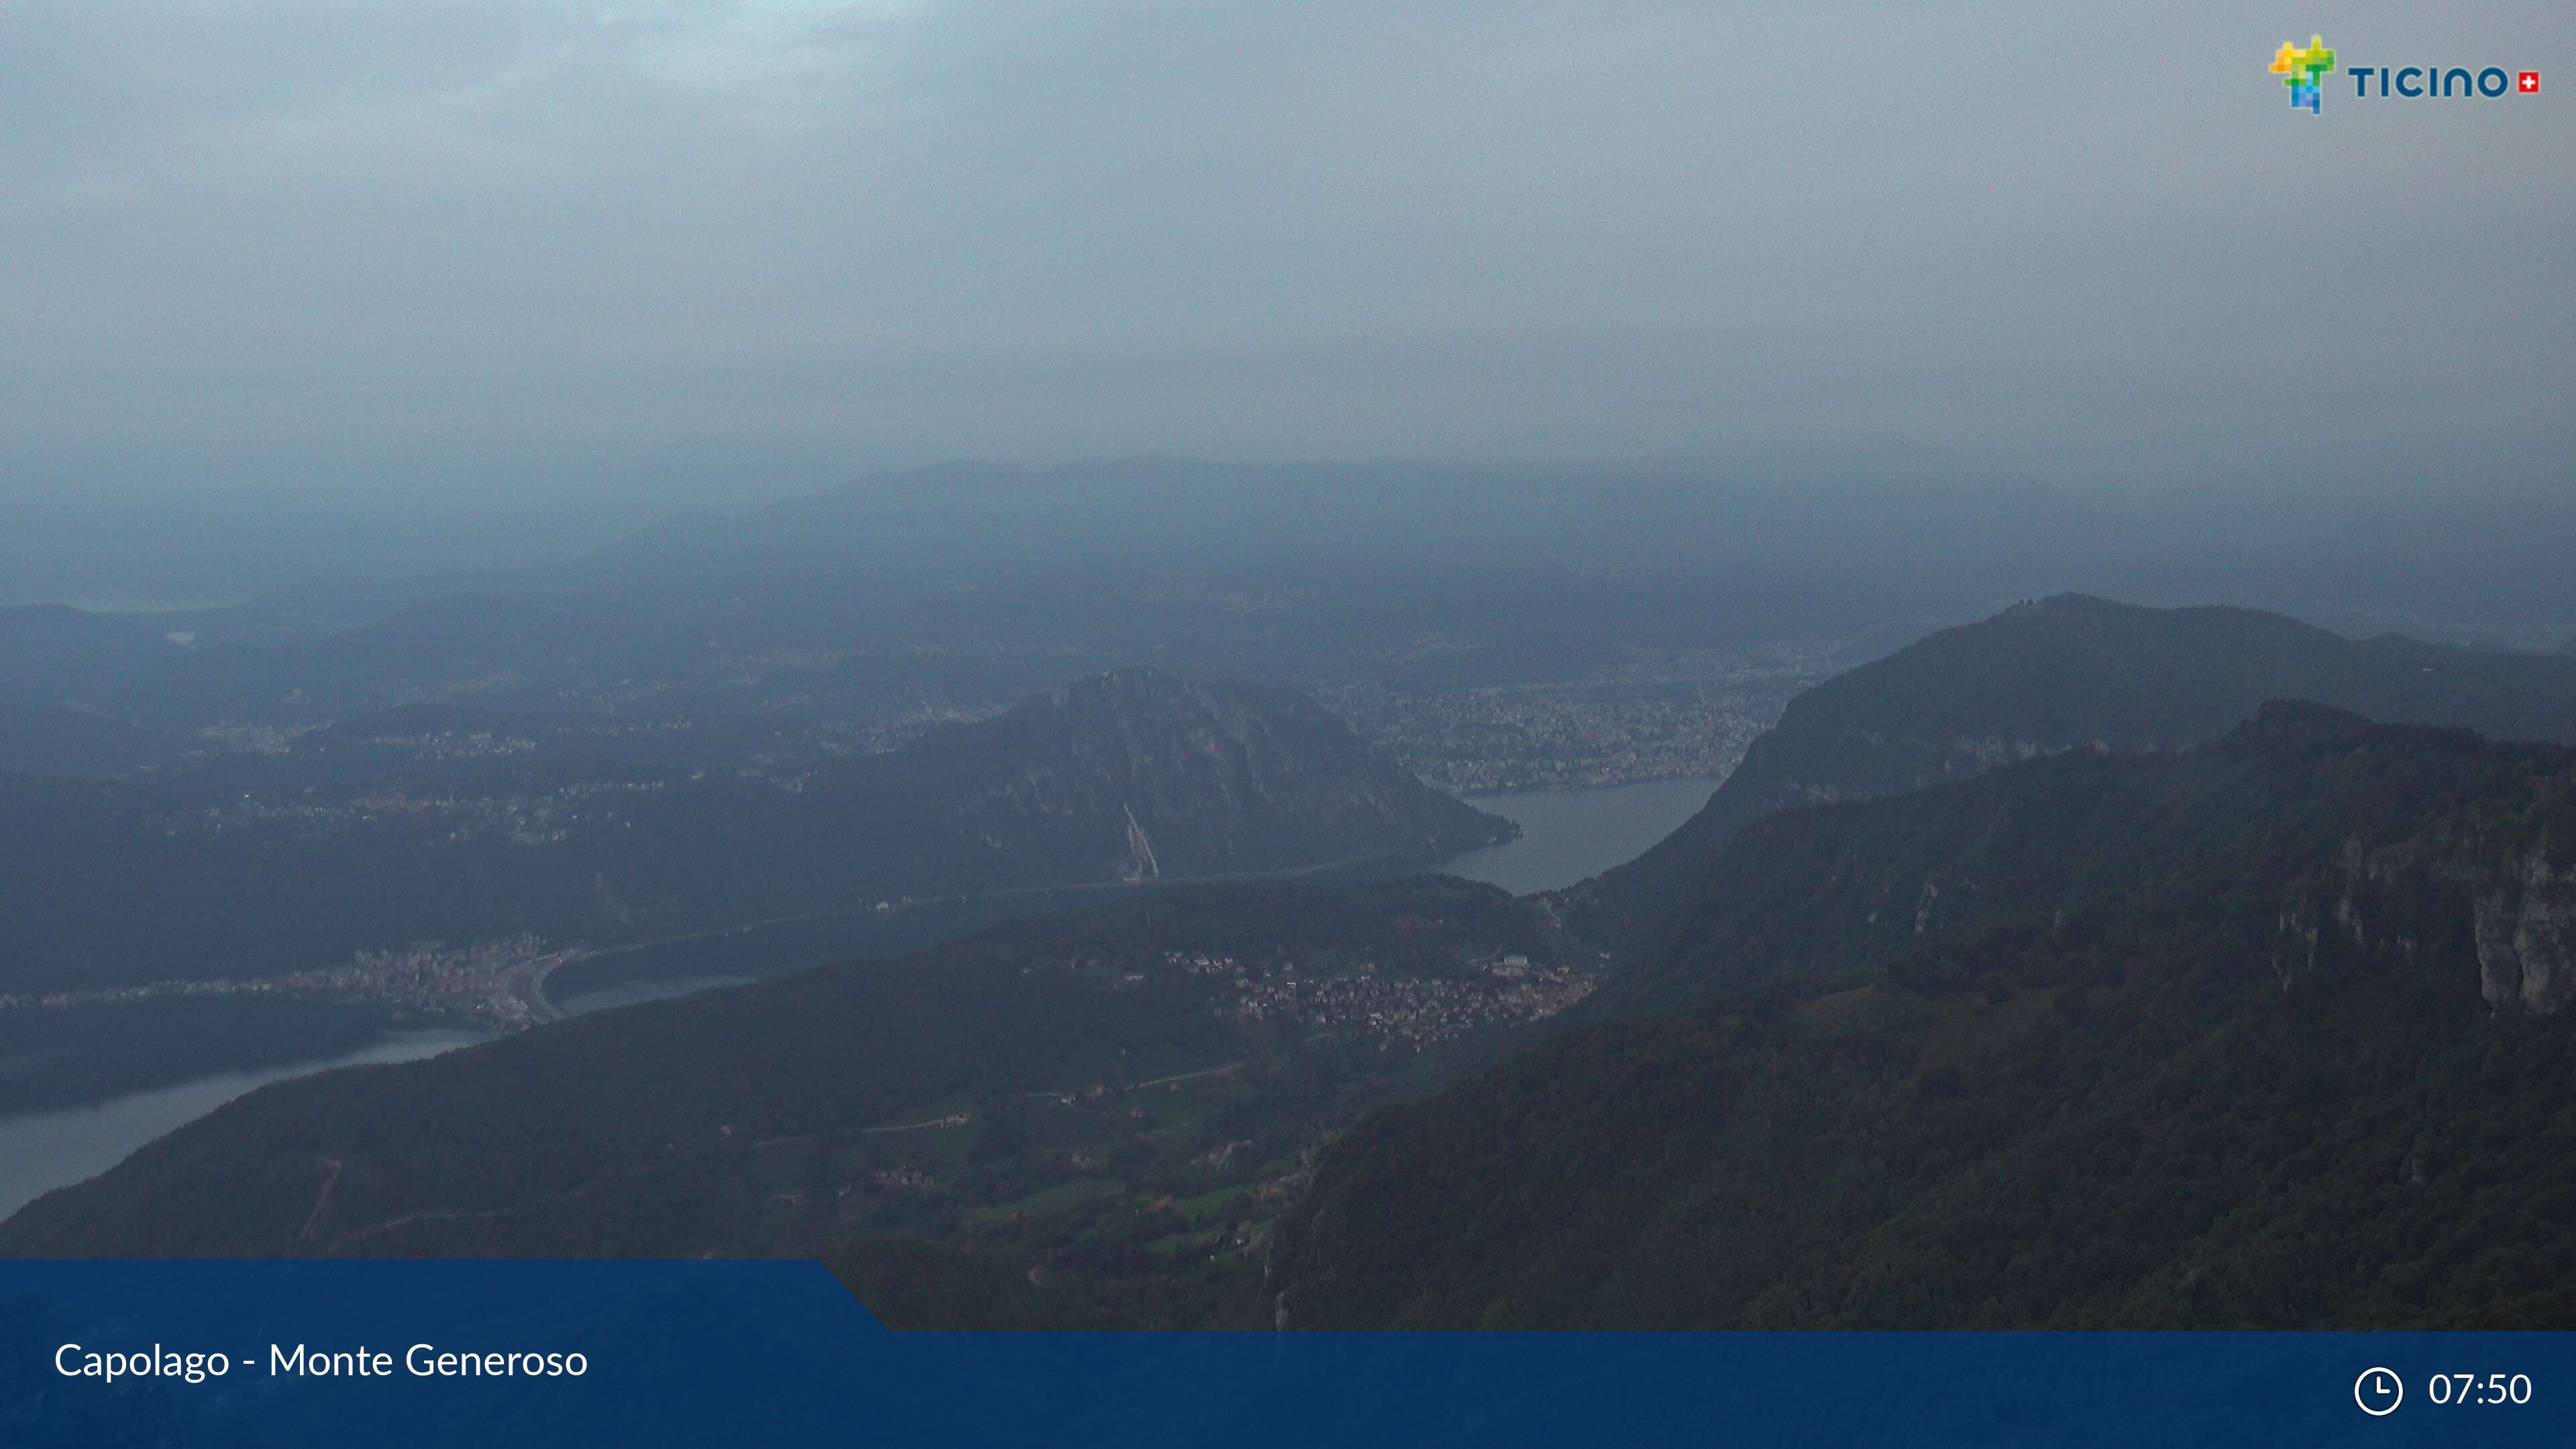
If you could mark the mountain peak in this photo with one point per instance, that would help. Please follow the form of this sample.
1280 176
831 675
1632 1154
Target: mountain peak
1199 777
2074 670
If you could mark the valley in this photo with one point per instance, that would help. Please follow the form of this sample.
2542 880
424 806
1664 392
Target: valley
130 1085
1222 1050
1089 1093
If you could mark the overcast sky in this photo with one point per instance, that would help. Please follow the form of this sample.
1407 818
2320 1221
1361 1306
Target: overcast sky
2095 249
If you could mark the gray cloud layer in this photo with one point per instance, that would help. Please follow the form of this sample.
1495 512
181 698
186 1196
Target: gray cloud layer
2095 248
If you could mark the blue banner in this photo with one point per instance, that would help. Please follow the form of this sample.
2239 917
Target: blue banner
773 1353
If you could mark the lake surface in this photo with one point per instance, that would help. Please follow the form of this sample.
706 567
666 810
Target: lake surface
633 993
46 1150
1569 835
1566 835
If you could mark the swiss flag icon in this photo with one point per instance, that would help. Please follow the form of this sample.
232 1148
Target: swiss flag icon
2528 83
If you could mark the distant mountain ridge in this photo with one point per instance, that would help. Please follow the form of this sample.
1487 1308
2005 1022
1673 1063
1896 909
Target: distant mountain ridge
1125 776
978 582
2065 672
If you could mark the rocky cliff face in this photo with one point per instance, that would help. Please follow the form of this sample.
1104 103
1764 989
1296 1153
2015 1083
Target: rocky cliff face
2526 935
2504 891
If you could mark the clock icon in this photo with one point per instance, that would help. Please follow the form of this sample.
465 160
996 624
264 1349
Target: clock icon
2378 1391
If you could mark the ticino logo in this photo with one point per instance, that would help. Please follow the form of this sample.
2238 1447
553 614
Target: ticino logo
2304 68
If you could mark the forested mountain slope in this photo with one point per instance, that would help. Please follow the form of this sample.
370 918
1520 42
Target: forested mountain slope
2268 1033
2063 672
1119 1098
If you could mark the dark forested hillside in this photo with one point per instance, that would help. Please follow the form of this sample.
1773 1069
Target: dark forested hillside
50 739
2064 672
2268 1033
51 651
428 824
1243 777
1121 1099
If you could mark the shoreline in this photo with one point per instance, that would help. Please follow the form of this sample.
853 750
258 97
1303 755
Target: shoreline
1534 791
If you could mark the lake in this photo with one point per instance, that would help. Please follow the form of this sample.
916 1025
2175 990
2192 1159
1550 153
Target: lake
1566 835
1570 835
46 1150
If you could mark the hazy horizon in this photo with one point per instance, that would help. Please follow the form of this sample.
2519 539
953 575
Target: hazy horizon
415 289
